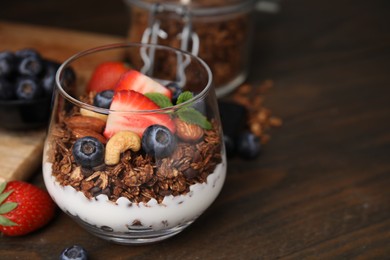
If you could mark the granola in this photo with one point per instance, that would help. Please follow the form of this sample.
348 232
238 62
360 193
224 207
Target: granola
138 177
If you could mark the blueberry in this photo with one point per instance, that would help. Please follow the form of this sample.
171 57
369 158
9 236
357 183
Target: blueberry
74 252
7 63
48 78
230 145
28 88
30 65
68 78
158 141
7 90
233 117
27 52
248 145
175 89
88 152
103 99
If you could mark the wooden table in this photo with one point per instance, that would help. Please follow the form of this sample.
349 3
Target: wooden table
321 188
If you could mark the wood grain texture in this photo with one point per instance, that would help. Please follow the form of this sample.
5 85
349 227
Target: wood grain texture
20 154
320 190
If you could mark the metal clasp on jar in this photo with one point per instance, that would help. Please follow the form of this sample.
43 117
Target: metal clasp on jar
153 33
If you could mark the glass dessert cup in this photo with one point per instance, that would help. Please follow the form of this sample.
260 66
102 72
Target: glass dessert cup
133 173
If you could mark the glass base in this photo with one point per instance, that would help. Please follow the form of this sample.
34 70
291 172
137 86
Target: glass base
135 236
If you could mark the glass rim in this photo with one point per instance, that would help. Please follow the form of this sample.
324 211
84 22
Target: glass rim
106 47
198 10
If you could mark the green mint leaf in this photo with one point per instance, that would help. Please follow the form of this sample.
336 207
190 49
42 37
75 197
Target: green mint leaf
2 186
6 222
160 99
7 207
193 116
185 96
4 195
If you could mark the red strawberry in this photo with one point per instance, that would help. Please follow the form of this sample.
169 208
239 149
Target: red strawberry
23 208
106 75
134 80
130 100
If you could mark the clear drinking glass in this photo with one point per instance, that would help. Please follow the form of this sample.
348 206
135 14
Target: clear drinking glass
160 180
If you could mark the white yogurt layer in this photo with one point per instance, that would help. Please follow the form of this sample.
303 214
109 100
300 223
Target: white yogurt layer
173 211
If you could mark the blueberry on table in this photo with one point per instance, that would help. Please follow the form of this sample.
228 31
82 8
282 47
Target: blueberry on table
69 77
248 145
233 117
158 141
30 65
48 78
7 63
7 90
28 88
103 99
88 152
74 252
27 52
230 145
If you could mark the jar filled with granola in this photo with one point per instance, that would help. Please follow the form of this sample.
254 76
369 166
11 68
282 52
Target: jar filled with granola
218 31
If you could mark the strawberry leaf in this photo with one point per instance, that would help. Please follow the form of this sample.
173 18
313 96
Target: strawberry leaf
4 195
7 207
185 96
193 116
2 186
6 222
159 99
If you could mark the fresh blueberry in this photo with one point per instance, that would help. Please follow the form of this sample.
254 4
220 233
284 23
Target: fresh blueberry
48 78
28 88
30 66
68 78
175 89
103 99
233 117
27 52
7 63
74 252
230 145
88 152
7 90
158 141
248 145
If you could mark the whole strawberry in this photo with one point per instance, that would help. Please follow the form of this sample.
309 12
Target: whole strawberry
23 208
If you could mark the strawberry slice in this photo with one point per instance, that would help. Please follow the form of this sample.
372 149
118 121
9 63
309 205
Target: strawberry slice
135 80
106 75
130 100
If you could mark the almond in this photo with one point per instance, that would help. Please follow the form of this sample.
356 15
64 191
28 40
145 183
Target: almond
82 132
188 132
86 112
86 122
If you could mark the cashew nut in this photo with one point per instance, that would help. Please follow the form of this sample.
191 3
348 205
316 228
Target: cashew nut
86 112
120 142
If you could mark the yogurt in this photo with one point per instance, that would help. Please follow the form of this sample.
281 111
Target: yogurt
123 215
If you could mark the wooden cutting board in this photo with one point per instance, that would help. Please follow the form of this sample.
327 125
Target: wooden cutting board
21 152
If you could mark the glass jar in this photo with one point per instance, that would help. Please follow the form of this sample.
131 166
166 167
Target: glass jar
218 31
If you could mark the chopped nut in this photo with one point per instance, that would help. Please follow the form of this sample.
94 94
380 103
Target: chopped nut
188 132
86 122
86 112
82 132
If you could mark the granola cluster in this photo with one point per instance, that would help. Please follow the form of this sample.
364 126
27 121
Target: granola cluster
138 176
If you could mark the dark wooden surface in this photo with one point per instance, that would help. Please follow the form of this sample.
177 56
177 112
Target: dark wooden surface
321 188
